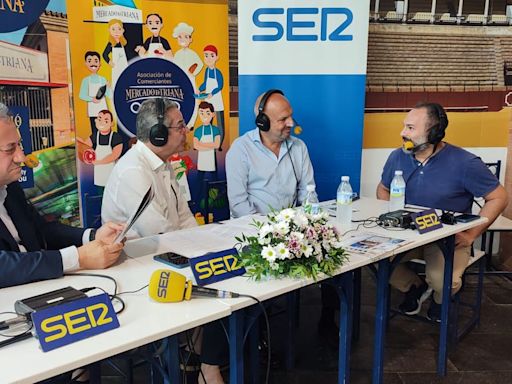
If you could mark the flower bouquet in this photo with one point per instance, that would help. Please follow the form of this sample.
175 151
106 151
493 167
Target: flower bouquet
292 243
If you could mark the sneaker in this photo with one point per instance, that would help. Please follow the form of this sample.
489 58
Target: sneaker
414 298
434 312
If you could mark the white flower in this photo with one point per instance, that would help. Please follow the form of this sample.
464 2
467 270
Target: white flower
274 265
286 214
282 252
269 253
300 220
306 249
281 228
265 230
264 241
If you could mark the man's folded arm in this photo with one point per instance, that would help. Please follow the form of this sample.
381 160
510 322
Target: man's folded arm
24 267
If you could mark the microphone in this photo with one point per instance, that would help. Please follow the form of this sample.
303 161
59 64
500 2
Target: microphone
409 147
31 161
297 128
167 286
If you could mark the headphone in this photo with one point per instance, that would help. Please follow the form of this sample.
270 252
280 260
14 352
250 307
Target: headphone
159 133
262 120
437 131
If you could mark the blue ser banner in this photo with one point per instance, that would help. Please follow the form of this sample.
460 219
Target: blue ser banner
316 54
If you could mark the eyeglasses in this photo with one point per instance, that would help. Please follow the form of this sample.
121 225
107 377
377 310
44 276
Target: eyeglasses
180 126
11 148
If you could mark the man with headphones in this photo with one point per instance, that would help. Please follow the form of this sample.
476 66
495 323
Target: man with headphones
443 176
266 168
161 132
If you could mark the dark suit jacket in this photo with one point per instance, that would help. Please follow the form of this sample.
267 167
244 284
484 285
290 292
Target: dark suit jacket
42 240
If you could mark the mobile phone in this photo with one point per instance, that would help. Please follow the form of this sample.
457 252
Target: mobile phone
466 217
172 259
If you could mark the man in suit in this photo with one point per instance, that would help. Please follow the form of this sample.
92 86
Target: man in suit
30 248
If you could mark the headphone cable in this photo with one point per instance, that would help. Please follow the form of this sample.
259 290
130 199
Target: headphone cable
296 193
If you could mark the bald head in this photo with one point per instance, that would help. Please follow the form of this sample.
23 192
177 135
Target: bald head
279 113
270 100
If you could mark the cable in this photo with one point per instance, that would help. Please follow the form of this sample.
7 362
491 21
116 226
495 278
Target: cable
296 193
137 290
13 338
111 297
421 164
267 324
95 275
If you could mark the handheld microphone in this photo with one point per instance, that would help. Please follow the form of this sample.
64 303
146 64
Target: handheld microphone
167 286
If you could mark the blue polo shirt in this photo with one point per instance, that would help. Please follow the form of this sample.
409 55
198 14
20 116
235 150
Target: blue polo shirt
450 179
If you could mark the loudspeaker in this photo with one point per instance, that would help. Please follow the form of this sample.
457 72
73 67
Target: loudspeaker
437 131
159 134
262 120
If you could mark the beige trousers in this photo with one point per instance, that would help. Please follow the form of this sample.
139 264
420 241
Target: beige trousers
403 278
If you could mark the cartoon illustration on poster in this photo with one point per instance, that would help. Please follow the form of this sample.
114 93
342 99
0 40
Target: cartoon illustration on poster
212 86
94 88
155 45
150 49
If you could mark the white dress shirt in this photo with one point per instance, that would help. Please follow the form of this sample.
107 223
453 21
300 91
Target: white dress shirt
69 254
129 181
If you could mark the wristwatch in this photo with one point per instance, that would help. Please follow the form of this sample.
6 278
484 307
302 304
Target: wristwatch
92 234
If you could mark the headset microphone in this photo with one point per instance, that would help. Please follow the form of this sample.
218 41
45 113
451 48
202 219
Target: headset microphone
409 147
297 128
167 286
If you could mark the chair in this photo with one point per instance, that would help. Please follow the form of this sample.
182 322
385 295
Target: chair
446 18
475 19
422 17
215 201
92 210
392 16
499 20
501 224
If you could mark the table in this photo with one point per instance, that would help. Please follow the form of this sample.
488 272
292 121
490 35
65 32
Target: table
145 321
445 238
142 322
216 237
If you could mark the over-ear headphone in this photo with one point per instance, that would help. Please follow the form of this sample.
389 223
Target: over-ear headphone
262 120
159 134
437 131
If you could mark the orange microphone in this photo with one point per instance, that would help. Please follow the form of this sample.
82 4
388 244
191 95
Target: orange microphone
297 129
408 145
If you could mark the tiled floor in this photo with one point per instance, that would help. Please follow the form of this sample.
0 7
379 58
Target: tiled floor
484 356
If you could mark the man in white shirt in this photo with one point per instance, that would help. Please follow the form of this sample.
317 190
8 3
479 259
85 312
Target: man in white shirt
30 248
161 132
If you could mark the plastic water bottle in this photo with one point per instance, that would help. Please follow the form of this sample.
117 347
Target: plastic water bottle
311 204
397 192
344 204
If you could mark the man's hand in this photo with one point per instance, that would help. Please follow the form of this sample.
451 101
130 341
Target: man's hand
108 232
463 239
98 254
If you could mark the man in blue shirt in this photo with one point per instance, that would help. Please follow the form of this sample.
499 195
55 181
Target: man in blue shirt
266 167
443 176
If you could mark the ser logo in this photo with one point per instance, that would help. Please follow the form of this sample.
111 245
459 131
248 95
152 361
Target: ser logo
303 24
217 266
163 283
427 221
76 321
